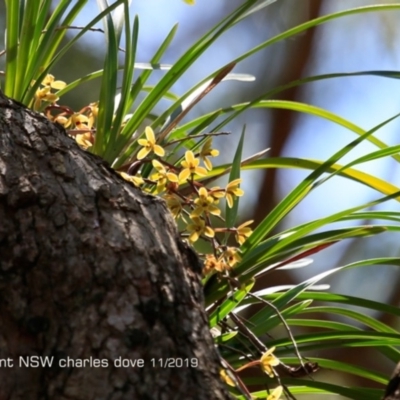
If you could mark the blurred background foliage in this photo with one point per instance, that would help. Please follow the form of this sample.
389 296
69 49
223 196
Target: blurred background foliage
354 43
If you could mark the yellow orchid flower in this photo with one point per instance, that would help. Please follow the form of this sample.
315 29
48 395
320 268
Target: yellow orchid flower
243 232
206 151
225 377
136 180
276 393
268 361
149 145
162 176
204 203
190 167
232 190
197 228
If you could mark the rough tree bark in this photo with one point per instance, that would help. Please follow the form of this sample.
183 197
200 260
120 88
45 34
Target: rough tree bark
92 269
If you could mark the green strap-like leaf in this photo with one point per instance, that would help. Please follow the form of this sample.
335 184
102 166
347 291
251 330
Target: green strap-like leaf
229 304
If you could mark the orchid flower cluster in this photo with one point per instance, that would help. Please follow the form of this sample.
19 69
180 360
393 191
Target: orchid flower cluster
191 202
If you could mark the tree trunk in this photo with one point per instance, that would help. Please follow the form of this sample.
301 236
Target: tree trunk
92 272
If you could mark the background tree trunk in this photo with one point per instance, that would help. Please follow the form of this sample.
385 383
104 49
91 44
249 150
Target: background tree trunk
92 268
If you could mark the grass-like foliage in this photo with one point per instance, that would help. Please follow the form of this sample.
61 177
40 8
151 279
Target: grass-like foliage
177 161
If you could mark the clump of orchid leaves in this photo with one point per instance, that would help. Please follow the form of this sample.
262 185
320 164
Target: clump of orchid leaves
172 156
